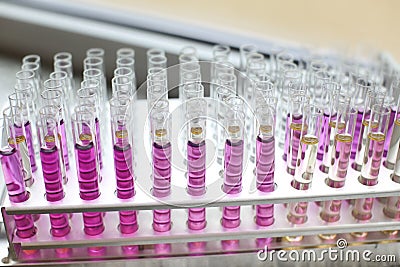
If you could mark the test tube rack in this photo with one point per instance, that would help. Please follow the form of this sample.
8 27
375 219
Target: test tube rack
44 247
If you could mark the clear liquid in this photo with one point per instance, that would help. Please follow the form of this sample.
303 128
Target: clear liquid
233 167
64 145
29 142
24 155
340 160
331 210
357 131
98 142
363 209
391 126
295 132
393 149
392 208
361 144
372 158
87 169
297 212
306 164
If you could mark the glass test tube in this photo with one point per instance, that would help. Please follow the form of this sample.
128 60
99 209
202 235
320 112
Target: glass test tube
96 74
293 129
122 85
28 77
63 62
54 96
87 168
153 52
68 90
329 100
14 121
189 50
371 99
373 154
307 156
52 171
161 153
340 157
14 178
196 164
125 52
53 112
265 160
35 68
157 76
233 168
122 139
361 89
23 100
394 138
128 62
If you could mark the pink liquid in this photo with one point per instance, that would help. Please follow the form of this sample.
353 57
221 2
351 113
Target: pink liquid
124 171
98 142
231 216
24 225
87 171
338 171
13 175
196 168
297 212
372 163
324 137
59 224
356 136
162 220
64 146
363 209
265 168
93 223
161 169
128 221
389 131
233 167
197 218
294 143
52 174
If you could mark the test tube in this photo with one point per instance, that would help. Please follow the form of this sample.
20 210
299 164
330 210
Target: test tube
14 178
265 160
97 74
196 165
23 100
52 172
161 153
343 129
157 76
54 96
389 100
371 99
67 88
63 62
122 84
321 78
233 169
329 100
35 68
393 151
53 112
128 62
307 156
361 89
87 168
122 139
13 119
157 62
373 154
125 52
245 51
155 93
153 52
293 129
28 77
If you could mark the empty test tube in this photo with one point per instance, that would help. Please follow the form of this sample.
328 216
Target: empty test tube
377 130
389 100
343 129
128 62
52 171
393 149
125 52
14 178
87 168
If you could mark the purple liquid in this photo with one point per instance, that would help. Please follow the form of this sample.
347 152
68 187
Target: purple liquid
13 175
197 218
162 220
98 142
265 168
265 164
389 131
93 223
124 171
59 224
128 221
52 173
324 137
372 161
196 168
356 136
24 225
29 142
233 167
64 146
231 216
294 142
161 169
87 171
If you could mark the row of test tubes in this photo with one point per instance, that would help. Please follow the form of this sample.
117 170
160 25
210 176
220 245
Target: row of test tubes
326 117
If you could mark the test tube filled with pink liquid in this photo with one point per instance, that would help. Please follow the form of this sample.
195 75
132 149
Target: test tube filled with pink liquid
161 153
